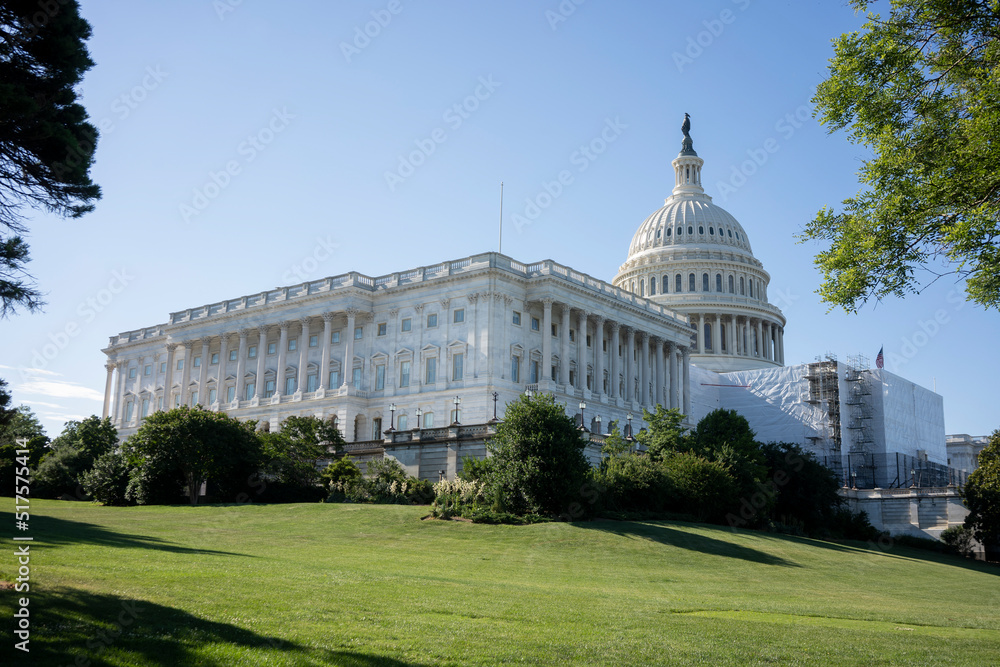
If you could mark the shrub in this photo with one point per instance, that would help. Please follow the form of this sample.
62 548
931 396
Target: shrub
702 488
474 469
107 481
635 482
453 497
387 483
959 540
341 470
849 525
59 473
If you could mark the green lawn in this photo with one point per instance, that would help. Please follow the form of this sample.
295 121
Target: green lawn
375 585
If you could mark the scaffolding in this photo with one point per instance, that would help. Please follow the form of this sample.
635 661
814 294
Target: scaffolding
824 391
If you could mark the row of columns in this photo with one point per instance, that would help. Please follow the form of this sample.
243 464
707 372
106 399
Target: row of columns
653 363
744 336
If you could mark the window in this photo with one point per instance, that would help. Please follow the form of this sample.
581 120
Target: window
380 377
690 229
213 395
404 374
732 289
128 411
177 400
180 362
230 394
604 345
147 370
516 318
458 316
359 333
572 335
252 352
588 340
312 382
743 287
430 371
383 328
664 284
293 344
401 423
377 428
314 341
652 286
533 371
680 231
690 282
290 383
232 355
457 362
711 230
677 283
272 348
730 233
334 379
163 367
249 391
215 359
356 378
751 289
515 369
555 330
642 287
132 372
708 336
428 420
535 325
335 337
196 363
145 408
268 388
406 324
432 320
704 282
718 282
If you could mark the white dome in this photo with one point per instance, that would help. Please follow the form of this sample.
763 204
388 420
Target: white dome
689 220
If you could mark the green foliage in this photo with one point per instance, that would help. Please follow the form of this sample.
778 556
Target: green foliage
849 525
387 483
959 540
703 488
93 436
194 445
636 483
614 443
725 436
919 88
475 469
343 469
290 458
107 481
981 495
664 433
14 425
60 471
538 464
804 490
46 144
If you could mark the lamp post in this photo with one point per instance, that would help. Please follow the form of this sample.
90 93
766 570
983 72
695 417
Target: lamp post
583 424
598 420
529 393
392 416
457 401
495 397
418 412
628 427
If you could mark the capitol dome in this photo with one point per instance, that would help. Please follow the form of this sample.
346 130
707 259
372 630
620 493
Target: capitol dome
695 258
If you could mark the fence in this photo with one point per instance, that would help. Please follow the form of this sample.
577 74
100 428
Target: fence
888 471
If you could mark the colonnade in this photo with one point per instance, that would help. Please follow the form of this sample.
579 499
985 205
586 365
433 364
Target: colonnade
738 335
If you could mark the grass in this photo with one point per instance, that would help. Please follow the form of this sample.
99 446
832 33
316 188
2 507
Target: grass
375 585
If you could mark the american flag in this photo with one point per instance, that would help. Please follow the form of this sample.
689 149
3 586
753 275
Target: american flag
880 360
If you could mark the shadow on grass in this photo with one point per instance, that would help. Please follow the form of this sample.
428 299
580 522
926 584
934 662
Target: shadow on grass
684 540
50 531
76 627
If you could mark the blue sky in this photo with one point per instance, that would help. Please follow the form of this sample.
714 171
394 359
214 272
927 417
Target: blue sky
249 145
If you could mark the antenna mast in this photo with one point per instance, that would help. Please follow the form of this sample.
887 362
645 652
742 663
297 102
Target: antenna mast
500 249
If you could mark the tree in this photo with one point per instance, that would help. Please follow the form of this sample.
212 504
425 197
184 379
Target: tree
920 89
664 433
18 424
195 446
107 480
46 144
291 456
73 453
805 490
981 495
538 463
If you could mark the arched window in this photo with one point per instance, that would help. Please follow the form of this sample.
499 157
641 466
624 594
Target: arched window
690 282
642 287
732 285
665 284
690 229
730 233
743 287
718 282
657 233
711 230
631 287
401 423
680 230
751 288
704 282
701 230
708 336
668 230
652 286
677 284
428 420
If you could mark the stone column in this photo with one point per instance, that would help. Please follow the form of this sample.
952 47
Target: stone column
672 373
658 384
630 365
348 365
186 375
759 347
300 386
615 359
168 378
119 391
781 345
220 380
241 365
324 364
564 351
701 333
644 376
581 352
107 389
279 372
687 380
203 375
261 361
599 355
546 339
731 336
717 335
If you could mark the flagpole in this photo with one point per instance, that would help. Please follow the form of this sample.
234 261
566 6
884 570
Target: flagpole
500 248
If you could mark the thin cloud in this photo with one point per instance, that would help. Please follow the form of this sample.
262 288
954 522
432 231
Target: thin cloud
57 389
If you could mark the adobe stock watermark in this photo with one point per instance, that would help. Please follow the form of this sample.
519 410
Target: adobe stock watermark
86 312
303 270
562 12
785 127
924 332
697 43
224 7
455 115
247 151
363 35
581 158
